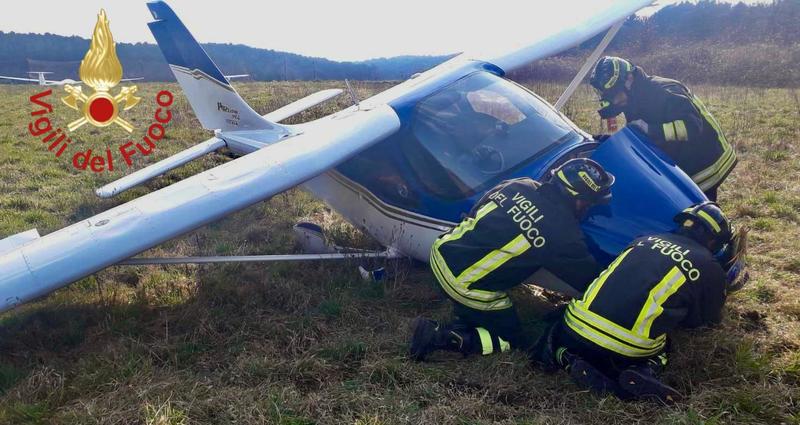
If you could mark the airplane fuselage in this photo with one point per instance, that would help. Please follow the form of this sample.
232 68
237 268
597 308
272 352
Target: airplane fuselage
420 181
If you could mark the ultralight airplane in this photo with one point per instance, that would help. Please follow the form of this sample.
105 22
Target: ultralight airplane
403 166
45 82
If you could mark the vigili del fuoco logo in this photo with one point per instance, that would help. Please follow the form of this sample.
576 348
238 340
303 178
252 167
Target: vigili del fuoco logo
100 70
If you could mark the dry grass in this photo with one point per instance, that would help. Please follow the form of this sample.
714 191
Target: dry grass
293 344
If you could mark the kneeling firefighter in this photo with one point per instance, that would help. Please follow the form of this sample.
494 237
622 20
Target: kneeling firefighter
517 228
614 338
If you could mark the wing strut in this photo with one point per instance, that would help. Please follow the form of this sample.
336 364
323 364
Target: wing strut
587 66
139 261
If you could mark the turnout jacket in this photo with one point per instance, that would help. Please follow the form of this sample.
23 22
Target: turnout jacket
656 284
681 126
516 228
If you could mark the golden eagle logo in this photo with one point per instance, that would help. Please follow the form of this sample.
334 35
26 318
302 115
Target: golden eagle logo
101 70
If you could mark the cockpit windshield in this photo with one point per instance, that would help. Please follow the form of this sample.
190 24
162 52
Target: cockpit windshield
477 129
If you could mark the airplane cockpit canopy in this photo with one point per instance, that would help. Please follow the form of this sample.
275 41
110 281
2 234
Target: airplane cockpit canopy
479 129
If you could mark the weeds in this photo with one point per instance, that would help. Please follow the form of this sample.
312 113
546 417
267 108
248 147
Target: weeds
312 343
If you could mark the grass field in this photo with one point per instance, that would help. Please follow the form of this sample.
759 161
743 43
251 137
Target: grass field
312 343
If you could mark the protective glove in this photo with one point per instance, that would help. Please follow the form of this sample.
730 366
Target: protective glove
608 110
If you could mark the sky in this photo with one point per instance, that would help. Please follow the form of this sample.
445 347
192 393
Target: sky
338 30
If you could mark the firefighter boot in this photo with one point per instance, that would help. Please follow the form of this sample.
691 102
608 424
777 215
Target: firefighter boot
543 353
642 381
430 336
586 375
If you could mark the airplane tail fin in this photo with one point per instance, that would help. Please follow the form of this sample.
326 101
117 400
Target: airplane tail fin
215 102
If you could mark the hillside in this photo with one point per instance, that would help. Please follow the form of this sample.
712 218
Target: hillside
707 42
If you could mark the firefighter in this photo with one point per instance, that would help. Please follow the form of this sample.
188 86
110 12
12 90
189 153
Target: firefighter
517 228
672 117
614 338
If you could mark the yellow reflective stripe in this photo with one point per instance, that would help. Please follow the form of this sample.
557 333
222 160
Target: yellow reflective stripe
442 271
606 342
466 225
671 282
669 131
704 215
614 77
493 260
504 345
680 131
711 175
486 341
567 184
591 292
602 324
476 299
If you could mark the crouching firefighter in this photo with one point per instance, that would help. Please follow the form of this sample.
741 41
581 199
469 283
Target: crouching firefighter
614 339
674 120
517 228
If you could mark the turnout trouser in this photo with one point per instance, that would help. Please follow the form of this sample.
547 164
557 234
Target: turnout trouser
490 313
497 330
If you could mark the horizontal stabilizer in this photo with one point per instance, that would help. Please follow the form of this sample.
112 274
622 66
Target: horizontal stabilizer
134 179
301 105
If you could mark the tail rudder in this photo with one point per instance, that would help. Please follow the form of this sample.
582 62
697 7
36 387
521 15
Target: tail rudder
215 102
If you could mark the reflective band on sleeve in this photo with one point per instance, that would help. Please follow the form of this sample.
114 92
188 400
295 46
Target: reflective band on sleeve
704 215
669 131
712 175
680 131
486 341
595 286
671 282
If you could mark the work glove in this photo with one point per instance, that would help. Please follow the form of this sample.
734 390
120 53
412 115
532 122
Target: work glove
608 110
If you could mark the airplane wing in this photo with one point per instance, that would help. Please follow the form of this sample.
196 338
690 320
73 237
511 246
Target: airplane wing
230 77
37 266
19 79
128 79
562 25
31 266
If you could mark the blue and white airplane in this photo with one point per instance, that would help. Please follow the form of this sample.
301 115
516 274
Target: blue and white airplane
403 166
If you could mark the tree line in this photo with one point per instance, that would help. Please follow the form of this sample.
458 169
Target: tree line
737 44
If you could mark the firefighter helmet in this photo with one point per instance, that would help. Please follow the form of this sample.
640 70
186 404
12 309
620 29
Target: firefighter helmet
584 179
709 217
609 75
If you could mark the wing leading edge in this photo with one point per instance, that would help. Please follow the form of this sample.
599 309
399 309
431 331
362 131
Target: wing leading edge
47 263
585 21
